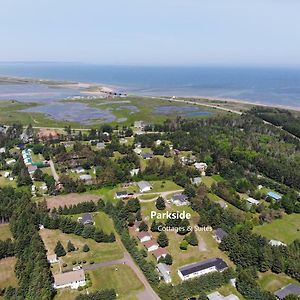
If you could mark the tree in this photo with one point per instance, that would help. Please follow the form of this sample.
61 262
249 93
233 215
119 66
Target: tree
138 215
168 259
162 239
192 239
184 245
85 248
160 203
143 226
70 246
59 249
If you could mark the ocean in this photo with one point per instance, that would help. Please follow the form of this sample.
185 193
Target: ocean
280 86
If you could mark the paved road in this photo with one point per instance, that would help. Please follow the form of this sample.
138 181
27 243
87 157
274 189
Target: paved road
157 194
54 173
148 293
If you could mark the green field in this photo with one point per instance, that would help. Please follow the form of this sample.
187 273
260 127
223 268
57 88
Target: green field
286 229
272 282
5 232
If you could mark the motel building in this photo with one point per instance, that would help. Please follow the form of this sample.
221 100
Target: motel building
73 280
202 268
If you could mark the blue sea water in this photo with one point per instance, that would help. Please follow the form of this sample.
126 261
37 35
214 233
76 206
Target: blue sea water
262 85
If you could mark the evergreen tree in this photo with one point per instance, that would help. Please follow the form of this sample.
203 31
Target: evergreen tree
168 259
143 226
70 246
192 239
162 239
59 249
85 248
160 203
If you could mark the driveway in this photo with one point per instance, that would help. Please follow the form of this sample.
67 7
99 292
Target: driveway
156 195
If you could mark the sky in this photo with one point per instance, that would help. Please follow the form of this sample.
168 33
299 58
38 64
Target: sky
151 32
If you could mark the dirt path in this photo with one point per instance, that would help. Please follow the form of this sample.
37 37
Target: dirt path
157 194
53 171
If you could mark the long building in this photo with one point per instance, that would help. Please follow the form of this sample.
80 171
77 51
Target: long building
202 268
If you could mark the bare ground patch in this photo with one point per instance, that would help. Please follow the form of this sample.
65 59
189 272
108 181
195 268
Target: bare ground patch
70 199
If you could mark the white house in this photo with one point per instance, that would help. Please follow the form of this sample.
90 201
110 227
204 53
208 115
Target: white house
134 172
73 280
180 199
144 186
138 151
202 268
201 166
139 124
164 272
252 201
144 236
121 195
157 142
151 245
276 243
52 259
218 296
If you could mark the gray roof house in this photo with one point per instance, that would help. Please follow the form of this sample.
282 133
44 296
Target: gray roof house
87 219
164 271
219 234
290 289
180 199
219 296
144 186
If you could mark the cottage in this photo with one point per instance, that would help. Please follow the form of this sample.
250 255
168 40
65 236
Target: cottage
276 243
52 259
160 252
31 169
144 236
252 201
151 245
138 151
196 180
86 219
219 234
100 146
121 195
180 199
2 150
147 155
218 296
274 196
139 124
134 172
73 280
87 178
202 268
144 186
290 289
164 272
201 166
10 161
157 142
78 170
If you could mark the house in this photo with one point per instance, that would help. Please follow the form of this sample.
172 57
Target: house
2 150
87 178
276 243
11 161
188 160
139 124
151 245
164 272
52 259
202 268
31 169
121 195
79 170
157 142
134 172
47 134
222 203
252 201
86 219
219 234
147 155
290 289
6 174
201 166
100 146
160 252
196 180
180 199
138 151
73 280
274 196
144 186
144 236
218 296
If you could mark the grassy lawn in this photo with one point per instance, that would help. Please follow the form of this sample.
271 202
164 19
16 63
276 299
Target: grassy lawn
5 181
208 181
99 252
119 277
164 186
272 282
5 232
217 178
148 197
7 274
104 222
227 290
286 229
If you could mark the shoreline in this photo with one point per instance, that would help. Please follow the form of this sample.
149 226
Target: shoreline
87 89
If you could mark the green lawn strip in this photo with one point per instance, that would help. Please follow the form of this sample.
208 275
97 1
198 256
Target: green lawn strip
272 282
5 232
286 229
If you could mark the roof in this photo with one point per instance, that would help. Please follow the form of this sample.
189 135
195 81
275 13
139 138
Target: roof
290 289
276 243
69 277
143 234
213 262
274 195
252 201
52 257
218 296
159 252
85 177
87 218
147 155
144 184
220 233
122 193
150 243
164 271
179 197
